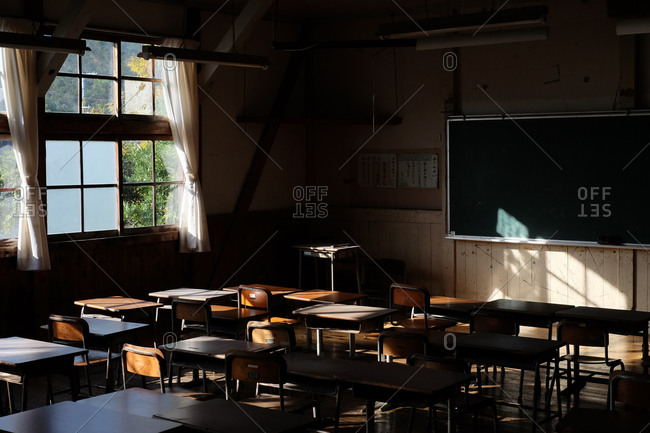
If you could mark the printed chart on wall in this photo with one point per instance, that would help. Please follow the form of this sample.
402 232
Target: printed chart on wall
377 170
417 170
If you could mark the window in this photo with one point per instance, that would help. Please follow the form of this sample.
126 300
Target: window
110 176
9 193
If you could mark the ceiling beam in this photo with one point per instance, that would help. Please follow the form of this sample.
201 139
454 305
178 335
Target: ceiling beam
243 27
71 26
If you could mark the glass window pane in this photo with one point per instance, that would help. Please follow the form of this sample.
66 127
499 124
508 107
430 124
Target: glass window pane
137 97
100 209
98 96
3 104
168 166
132 65
161 109
63 211
137 161
71 64
137 206
62 163
167 204
63 96
9 200
100 60
100 162
9 175
158 68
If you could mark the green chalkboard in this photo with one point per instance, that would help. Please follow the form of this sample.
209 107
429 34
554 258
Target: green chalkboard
564 178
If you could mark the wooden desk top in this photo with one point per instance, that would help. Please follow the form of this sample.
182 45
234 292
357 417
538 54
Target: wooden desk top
325 296
117 304
205 295
528 308
353 313
67 416
215 347
137 401
373 373
609 315
275 290
225 416
582 420
226 312
332 248
508 344
19 352
175 293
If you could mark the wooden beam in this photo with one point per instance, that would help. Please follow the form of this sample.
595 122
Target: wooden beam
71 26
259 160
243 27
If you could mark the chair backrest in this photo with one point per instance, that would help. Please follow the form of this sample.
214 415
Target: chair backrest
401 344
68 330
496 324
257 368
408 295
254 297
631 389
278 333
143 361
579 334
198 313
439 363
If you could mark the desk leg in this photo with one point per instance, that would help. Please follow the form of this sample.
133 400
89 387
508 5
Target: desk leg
449 419
548 365
370 416
353 345
109 369
319 341
556 374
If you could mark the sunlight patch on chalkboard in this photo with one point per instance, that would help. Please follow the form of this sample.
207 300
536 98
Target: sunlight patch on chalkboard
509 227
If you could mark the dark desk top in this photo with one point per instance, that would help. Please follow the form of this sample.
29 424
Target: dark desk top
215 347
66 417
347 312
604 421
508 344
222 416
111 328
524 308
137 401
381 374
18 351
609 315
325 296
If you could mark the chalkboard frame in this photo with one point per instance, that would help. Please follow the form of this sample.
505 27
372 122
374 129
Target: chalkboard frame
454 235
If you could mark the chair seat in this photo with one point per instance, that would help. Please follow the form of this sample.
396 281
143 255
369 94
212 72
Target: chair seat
94 357
225 312
418 322
586 359
284 320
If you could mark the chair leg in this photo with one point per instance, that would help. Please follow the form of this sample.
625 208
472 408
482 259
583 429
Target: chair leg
88 383
521 387
411 417
569 385
337 413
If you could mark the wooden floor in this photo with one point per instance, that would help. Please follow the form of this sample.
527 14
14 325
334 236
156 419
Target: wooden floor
391 417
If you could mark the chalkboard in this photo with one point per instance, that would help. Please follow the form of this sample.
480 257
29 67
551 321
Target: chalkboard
559 178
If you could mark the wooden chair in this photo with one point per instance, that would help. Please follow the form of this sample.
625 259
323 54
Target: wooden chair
577 335
278 333
631 389
195 320
464 402
143 362
260 369
260 298
74 331
392 344
417 299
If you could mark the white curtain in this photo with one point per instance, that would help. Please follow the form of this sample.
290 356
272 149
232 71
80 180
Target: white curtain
180 89
18 74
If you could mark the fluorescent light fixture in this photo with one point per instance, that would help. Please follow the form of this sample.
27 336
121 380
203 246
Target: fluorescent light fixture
42 43
198 56
455 23
633 27
482 38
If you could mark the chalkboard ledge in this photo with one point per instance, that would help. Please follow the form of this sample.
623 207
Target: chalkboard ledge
545 242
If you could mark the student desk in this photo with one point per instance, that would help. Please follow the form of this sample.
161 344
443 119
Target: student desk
623 322
514 352
378 381
119 306
67 416
137 401
109 334
458 309
351 319
275 290
20 358
226 416
581 420
527 313
325 297
331 252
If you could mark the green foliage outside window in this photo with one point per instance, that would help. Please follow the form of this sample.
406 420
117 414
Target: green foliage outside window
9 178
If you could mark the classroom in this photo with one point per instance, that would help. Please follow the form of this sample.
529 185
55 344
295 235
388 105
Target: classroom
338 188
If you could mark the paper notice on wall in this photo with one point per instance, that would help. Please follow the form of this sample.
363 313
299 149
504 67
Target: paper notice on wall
378 170
418 170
